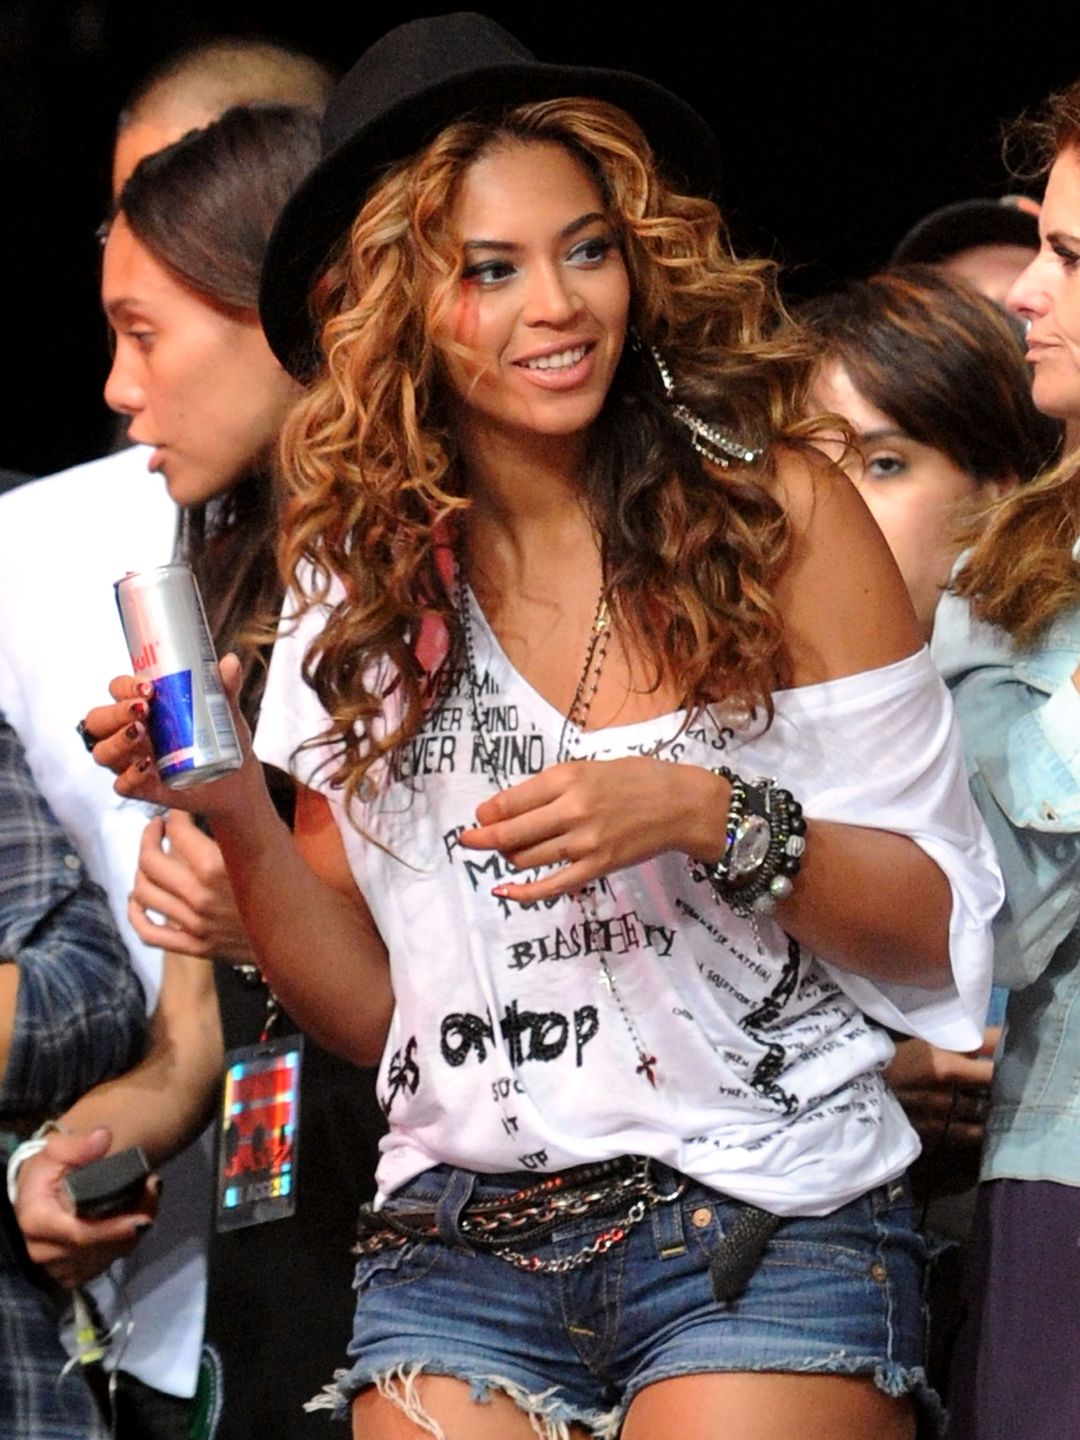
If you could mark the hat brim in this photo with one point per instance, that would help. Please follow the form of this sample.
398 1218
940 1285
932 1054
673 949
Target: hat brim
324 206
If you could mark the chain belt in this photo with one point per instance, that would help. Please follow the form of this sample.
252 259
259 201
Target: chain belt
503 1224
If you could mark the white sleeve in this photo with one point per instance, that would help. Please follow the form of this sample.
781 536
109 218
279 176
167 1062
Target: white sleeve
881 750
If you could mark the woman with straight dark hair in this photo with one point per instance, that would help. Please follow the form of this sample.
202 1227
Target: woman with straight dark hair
191 365
931 378
575 603
192 369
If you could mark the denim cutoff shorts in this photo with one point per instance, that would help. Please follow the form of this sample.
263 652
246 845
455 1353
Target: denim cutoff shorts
839 1294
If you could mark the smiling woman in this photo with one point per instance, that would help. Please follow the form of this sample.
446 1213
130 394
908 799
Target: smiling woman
569 580
534 338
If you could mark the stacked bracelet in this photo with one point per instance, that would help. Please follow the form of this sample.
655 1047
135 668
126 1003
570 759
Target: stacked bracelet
764 841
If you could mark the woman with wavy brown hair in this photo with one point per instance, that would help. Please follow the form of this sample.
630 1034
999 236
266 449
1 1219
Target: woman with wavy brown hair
570 589
1008 642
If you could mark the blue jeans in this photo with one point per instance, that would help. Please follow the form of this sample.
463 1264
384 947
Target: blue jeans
837 1294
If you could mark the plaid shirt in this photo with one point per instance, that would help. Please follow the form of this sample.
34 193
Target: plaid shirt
79 1017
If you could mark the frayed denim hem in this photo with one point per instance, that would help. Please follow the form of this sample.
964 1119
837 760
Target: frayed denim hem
549 1416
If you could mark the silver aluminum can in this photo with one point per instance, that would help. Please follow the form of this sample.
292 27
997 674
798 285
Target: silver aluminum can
191 727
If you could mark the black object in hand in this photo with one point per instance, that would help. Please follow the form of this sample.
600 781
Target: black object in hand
107 1186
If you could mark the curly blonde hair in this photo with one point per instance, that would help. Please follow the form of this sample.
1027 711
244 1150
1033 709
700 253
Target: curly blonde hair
690 553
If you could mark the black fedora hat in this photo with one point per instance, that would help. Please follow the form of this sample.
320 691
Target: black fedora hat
408 86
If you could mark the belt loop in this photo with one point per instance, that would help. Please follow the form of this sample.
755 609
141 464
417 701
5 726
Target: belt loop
451 1203
667 1213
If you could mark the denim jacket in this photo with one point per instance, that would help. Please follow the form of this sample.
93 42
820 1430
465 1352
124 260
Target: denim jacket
1019 713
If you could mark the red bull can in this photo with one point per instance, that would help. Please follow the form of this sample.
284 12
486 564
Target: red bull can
191 727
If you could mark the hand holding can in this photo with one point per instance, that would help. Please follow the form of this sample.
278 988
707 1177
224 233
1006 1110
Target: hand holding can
190 723
120 738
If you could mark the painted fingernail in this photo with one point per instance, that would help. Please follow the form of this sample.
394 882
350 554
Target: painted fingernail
143 765
133 732
137 708
145 689
500 891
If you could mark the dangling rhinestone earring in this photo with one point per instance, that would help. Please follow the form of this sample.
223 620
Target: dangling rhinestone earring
717 447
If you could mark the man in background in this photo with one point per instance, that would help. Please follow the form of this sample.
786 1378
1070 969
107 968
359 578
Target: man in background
985 242
72 1013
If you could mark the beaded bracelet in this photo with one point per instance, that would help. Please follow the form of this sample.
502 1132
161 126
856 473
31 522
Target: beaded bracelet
764 842
718 874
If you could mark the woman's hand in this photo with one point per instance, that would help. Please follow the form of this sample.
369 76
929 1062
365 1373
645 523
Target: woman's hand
945 1095
187 884
122 745
73 1251
590 817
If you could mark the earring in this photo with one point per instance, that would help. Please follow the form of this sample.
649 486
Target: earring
717 447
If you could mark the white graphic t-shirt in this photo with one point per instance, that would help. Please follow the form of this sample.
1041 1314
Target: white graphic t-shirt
643 1016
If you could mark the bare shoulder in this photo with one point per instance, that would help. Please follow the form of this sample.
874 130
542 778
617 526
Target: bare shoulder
844 604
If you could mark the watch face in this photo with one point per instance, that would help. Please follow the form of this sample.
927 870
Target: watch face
750 845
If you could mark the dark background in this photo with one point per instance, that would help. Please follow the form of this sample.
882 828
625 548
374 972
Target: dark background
840 126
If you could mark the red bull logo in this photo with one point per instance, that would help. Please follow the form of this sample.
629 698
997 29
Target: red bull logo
191 730
147 658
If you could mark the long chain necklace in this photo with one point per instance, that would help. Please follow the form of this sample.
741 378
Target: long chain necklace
577 717
573 728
